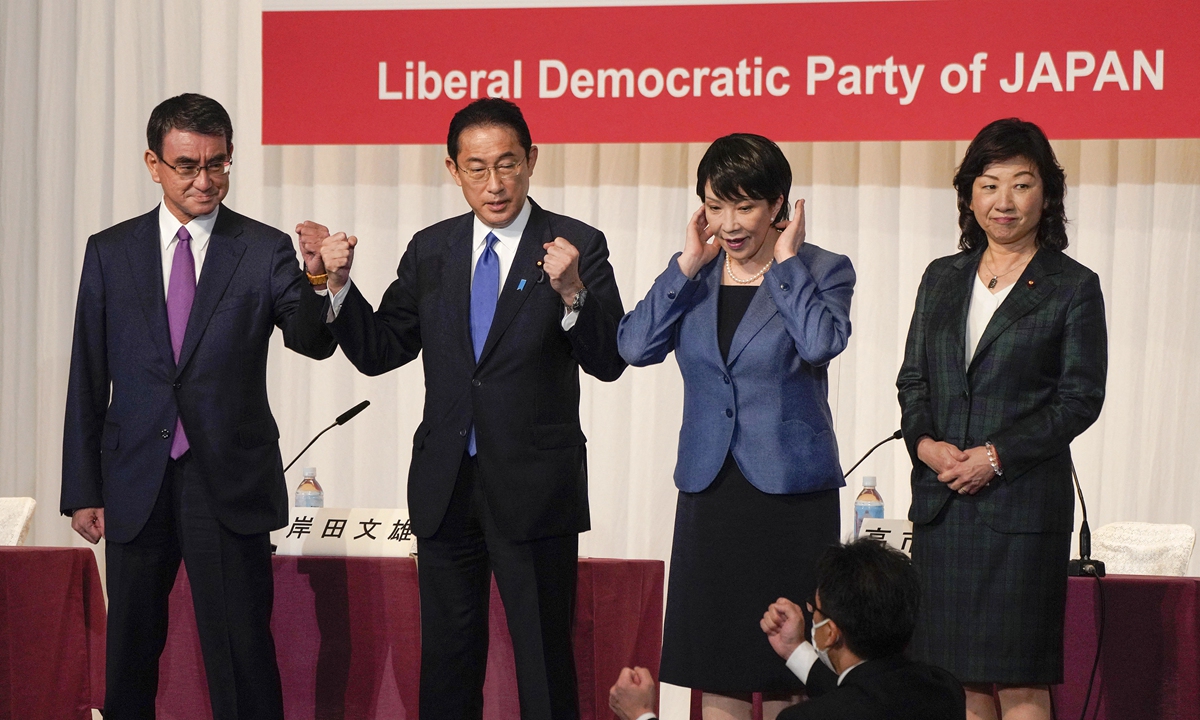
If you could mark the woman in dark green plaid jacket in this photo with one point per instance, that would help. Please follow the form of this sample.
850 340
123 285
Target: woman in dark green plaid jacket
1004 366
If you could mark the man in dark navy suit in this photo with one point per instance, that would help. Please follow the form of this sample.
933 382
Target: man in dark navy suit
854 668
505 304
170 450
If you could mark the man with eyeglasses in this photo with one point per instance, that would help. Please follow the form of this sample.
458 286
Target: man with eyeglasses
853 666
506 304
170 451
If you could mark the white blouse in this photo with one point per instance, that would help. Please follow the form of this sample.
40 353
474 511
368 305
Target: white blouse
983 305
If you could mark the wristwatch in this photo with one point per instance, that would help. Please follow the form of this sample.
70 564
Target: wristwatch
580 298
317 279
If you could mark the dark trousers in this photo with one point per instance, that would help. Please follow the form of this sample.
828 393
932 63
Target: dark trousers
232 591
537 582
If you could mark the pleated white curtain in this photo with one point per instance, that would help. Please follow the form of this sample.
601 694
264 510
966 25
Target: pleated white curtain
78 79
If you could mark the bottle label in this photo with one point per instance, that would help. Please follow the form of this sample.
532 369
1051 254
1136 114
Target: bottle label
309 499
863 511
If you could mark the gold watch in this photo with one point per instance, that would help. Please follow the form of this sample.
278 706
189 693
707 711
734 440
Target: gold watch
321 279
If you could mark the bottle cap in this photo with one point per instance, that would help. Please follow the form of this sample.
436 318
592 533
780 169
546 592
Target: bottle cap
310 472
868 481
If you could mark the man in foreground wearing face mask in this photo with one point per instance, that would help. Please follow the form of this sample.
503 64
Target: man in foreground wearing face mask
854 667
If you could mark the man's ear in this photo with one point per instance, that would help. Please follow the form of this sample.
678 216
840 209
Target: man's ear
452 167
153 165
835 633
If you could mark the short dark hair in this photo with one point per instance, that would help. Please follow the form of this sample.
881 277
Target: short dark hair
496 112
188 112
872 592
746 166
1004 140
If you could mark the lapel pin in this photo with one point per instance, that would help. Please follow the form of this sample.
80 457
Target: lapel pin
521 285
1030 283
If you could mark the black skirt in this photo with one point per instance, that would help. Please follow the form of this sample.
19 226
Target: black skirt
736 550
992 603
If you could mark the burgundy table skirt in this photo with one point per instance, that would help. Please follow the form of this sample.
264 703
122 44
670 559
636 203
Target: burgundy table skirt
1150 662
348 638
51 634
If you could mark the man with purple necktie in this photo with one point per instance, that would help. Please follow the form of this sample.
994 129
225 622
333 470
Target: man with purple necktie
506 304
170 451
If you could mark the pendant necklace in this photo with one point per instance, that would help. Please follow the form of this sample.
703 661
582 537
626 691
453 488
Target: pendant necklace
995 278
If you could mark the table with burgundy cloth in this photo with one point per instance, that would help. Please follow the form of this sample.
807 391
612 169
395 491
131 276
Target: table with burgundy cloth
1150 663
347 635
51 634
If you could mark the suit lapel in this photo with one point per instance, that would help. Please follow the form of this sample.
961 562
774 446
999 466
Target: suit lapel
1027 293
456 279
762 308
524 268
220 261
708 308
144 252
954 293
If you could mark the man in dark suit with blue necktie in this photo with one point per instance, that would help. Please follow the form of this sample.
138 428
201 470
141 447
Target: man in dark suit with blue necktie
506 304
170 451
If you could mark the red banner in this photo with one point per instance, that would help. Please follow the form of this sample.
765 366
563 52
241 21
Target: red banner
921 70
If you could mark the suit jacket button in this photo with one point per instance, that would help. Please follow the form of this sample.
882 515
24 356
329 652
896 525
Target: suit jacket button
462 433
725 378
728 413
784 286
970 442
165 433
476 383
671 295
177 385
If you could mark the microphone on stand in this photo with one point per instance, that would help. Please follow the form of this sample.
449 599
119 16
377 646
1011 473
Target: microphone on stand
894 436
341 420
1085 565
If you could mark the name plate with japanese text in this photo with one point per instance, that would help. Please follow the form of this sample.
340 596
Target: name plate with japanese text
896 533
346 532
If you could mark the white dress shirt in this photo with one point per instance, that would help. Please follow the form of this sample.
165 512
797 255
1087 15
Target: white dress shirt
802 659
200 229
983 306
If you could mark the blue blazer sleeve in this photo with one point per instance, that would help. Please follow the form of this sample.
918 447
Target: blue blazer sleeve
647 334
817 316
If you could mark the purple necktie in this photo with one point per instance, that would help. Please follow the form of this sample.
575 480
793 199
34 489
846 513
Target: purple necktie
181 290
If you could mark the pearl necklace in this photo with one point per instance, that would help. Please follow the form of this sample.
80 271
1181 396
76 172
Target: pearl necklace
752 278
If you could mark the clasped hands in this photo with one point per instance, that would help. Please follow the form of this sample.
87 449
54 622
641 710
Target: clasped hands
964 471
334 254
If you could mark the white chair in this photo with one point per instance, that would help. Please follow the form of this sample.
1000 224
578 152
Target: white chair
1137 548
15 515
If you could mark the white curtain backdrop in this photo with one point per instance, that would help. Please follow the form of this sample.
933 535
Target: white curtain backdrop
78 79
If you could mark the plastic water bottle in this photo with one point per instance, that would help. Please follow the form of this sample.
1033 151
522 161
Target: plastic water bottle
309 493
868 504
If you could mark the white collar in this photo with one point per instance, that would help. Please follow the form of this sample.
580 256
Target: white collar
510 236
847 671
200 227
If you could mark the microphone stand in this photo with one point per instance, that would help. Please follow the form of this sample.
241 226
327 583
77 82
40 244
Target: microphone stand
894 436
341 420
1085 565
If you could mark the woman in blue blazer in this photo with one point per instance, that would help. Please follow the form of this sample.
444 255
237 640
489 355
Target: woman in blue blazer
754 315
